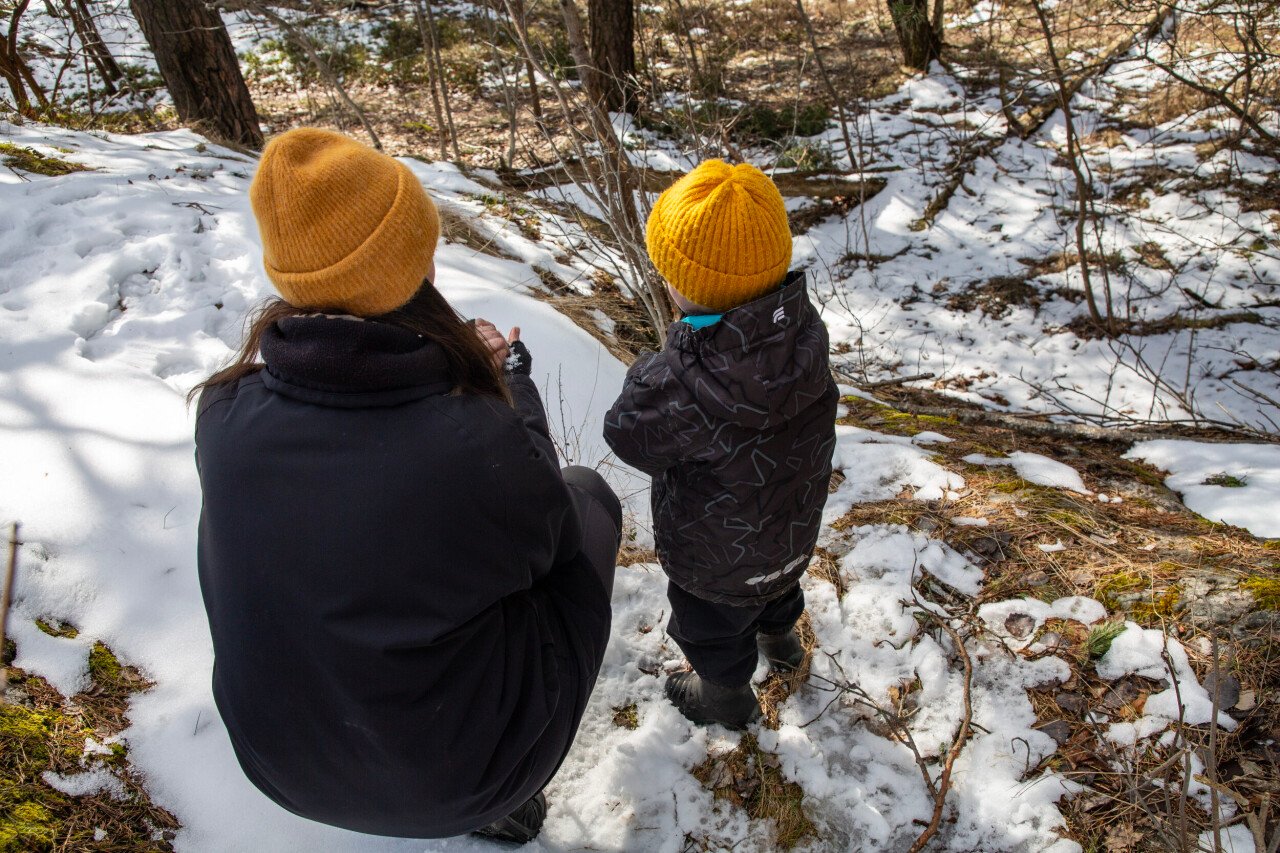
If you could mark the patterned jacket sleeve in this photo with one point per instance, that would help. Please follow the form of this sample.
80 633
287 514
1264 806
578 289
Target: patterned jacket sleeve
649 426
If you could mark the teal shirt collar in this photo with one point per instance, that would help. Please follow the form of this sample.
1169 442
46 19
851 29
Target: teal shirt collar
701 321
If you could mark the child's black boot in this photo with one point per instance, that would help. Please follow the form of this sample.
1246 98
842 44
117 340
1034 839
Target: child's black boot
521 826
783 651
706 702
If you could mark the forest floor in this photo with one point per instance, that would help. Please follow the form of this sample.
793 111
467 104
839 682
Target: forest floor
995 497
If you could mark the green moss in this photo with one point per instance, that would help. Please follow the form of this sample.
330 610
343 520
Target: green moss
1266 592
28 160
119 754
1066 516
27 728
58 629
26 826
104 666
41 736
1229 481
1157 608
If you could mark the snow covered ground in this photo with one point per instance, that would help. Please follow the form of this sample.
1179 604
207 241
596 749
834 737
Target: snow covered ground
1234 483
125 285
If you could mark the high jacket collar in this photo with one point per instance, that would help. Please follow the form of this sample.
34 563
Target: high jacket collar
777 314
348 362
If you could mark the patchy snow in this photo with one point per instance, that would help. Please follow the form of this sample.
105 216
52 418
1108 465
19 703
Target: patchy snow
1037 469
1236 484
64 662
1151 654
879 466
1017 620
96 781
1233 839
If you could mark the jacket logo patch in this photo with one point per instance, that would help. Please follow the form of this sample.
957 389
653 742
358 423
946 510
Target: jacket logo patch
779 315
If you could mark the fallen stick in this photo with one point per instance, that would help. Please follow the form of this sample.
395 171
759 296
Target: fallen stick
944 781
885 383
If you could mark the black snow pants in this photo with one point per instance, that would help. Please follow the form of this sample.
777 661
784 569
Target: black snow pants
720 639
600 513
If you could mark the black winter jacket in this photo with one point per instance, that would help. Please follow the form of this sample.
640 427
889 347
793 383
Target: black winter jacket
735 423
404 629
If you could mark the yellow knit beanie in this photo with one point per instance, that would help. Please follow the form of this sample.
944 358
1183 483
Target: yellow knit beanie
719 235
343 226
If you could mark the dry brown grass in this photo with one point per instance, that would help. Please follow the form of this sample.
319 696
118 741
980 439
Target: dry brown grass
752 779
777 686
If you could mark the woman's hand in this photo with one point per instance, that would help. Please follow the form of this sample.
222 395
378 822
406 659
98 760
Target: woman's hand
499 346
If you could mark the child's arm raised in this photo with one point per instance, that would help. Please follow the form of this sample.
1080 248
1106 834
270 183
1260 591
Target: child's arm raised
653 425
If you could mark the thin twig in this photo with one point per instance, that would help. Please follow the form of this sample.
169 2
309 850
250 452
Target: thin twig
944 781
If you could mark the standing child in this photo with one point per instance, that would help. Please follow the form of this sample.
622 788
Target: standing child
735 422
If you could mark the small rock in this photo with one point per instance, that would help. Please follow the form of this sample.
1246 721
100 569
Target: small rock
1261 619
1036 579
1072 703
1059 730
1051 640
1248 700
1019 625
1120 694
992 548
1212 600
927 524
1227 688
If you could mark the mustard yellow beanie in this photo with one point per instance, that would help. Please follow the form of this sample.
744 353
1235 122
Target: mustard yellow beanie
719 235
343 226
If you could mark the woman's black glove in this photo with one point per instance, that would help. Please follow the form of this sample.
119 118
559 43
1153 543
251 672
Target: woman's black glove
519 362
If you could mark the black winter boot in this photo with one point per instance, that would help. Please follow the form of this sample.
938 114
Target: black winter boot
521 826
705 702
783 651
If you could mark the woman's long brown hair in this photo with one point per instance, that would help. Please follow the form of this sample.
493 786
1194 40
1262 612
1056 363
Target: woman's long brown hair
427 314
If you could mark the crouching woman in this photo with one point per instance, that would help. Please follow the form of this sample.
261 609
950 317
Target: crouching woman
408 598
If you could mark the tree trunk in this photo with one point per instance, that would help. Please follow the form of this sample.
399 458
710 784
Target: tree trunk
87 31
438 64
613 52
200 69
14 70
921 43
427 41
578 45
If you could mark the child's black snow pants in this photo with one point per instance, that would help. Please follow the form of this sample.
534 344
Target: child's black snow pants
720 639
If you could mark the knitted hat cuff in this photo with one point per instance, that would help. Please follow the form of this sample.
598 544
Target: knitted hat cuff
383 272
714 289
